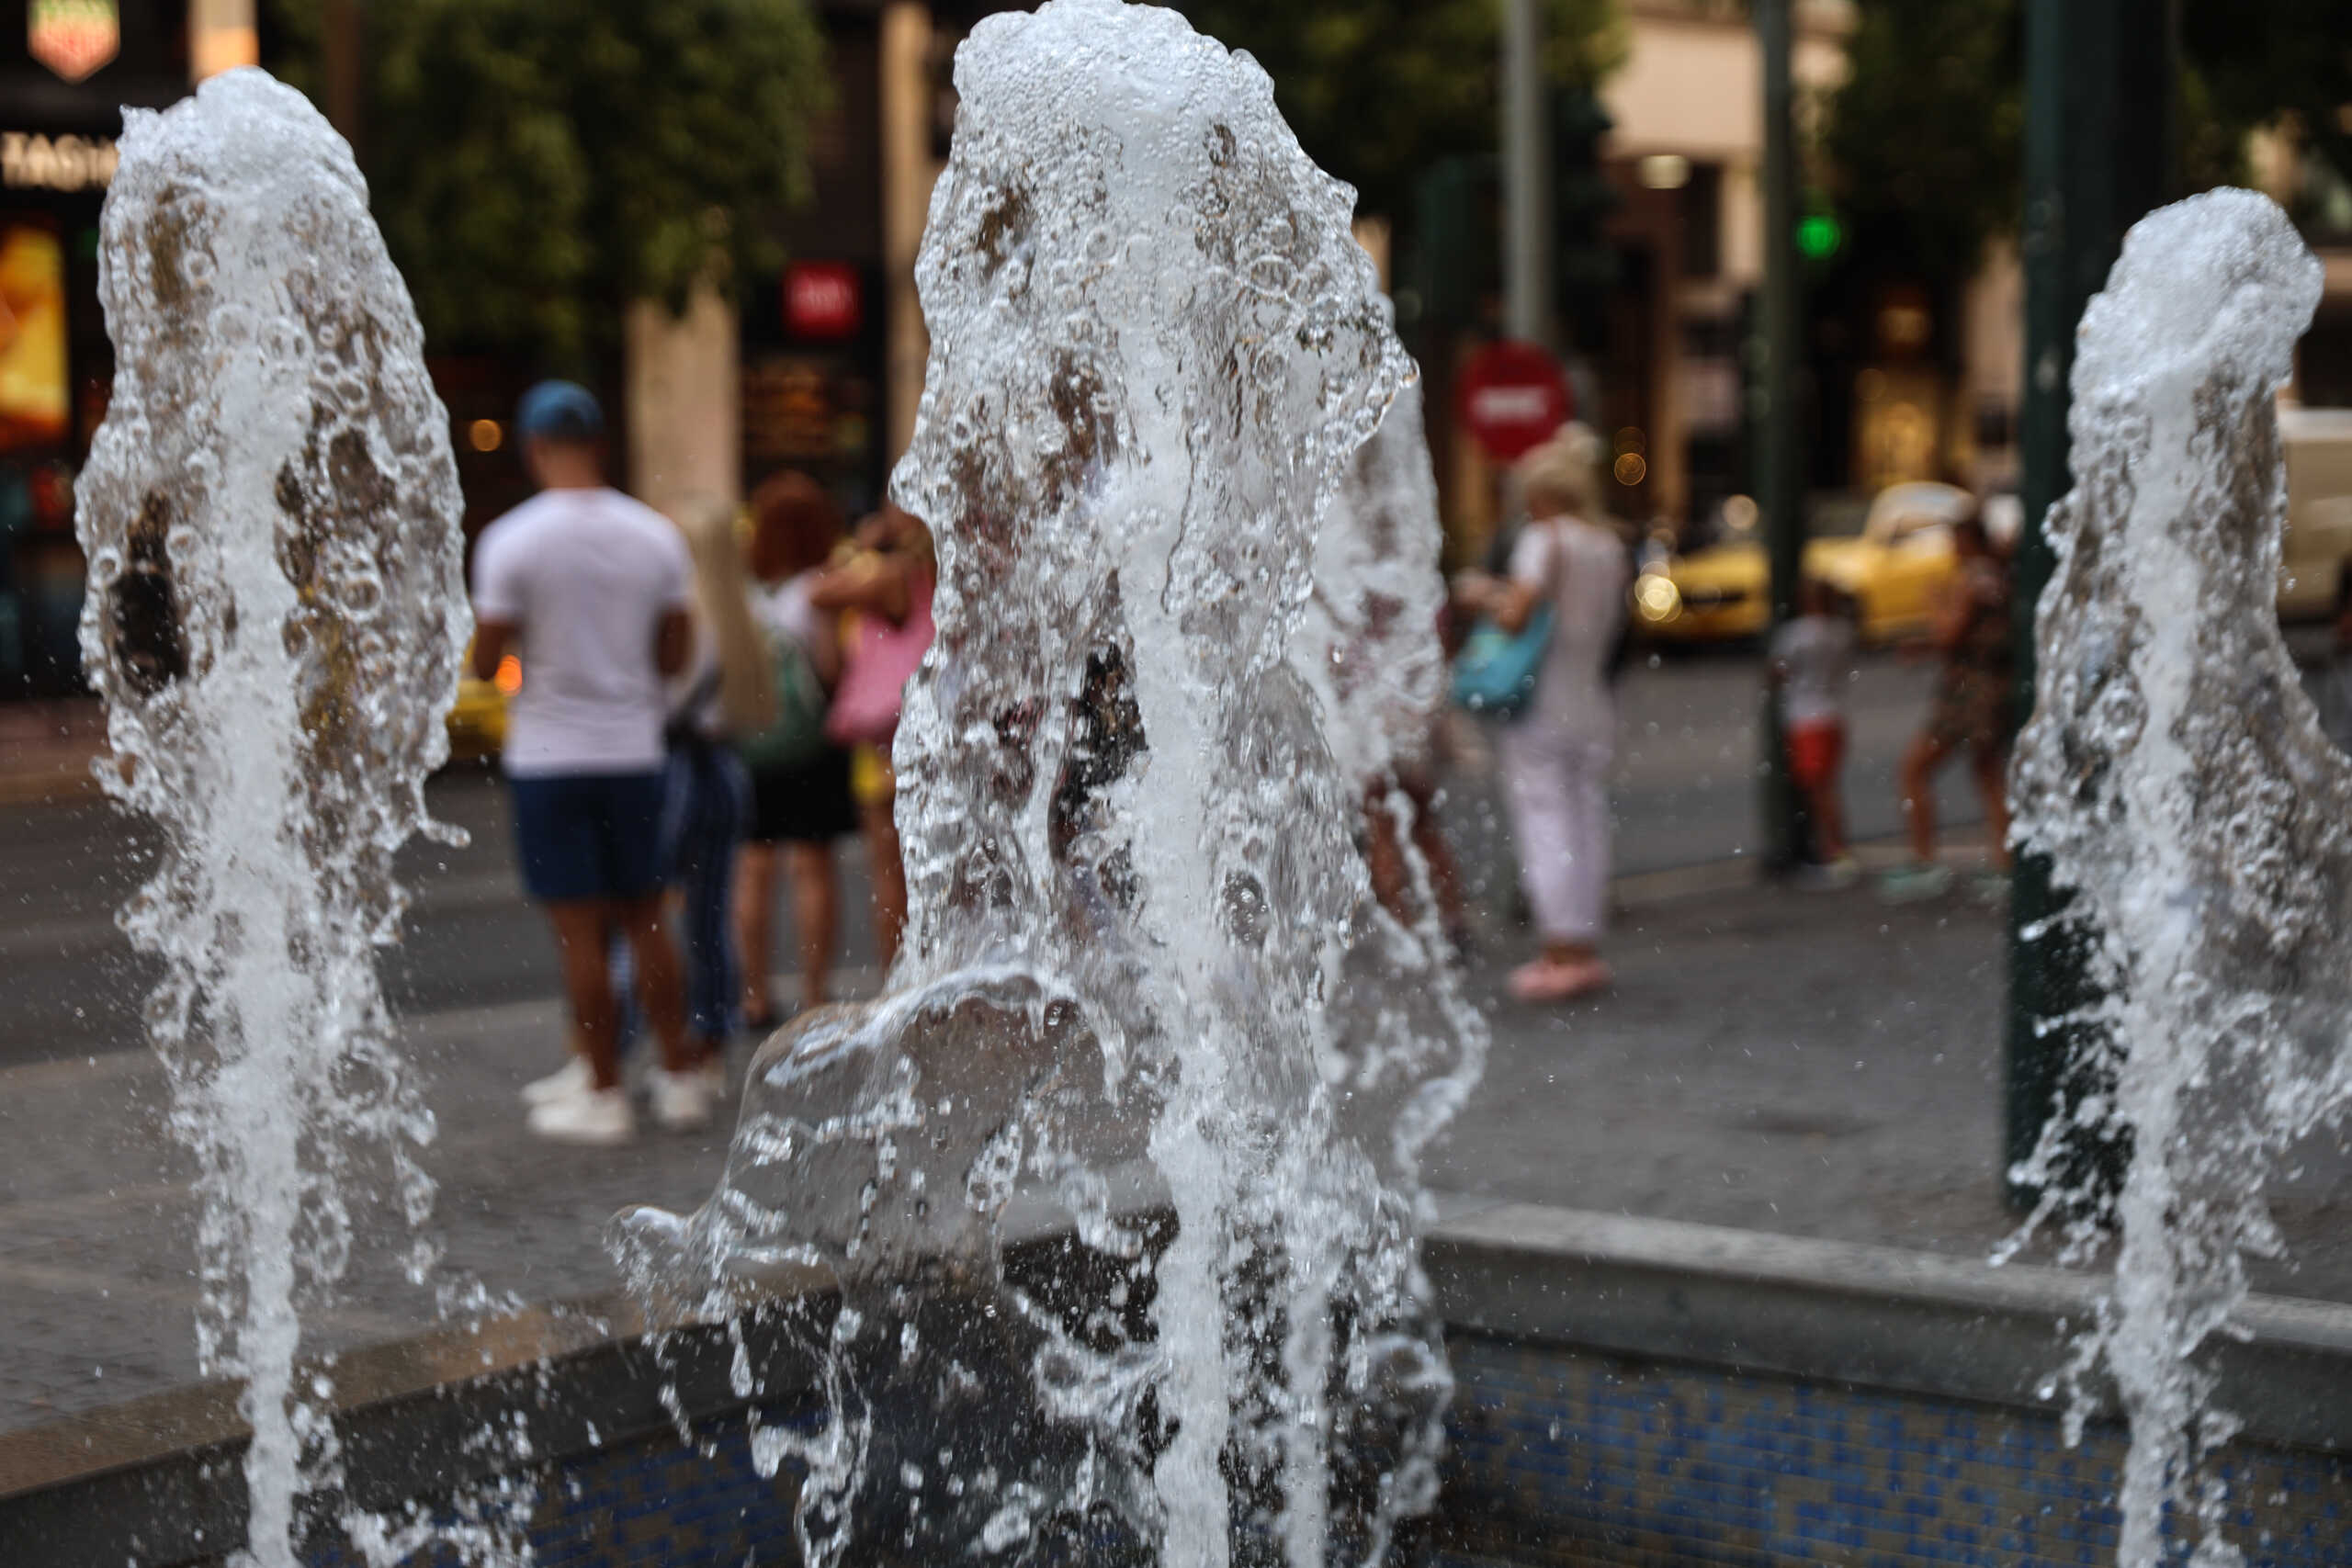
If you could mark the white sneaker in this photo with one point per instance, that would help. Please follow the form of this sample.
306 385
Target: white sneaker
592 1116
1829 876
1915 883
573 1078
681 1100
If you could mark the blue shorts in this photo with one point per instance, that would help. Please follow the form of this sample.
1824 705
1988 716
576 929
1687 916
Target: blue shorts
589 835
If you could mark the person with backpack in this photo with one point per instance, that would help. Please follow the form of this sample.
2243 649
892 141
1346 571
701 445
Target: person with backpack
799 776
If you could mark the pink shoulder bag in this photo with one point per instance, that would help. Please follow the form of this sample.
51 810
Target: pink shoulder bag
875 669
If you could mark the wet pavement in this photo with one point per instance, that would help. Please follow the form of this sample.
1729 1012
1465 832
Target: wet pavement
1810 1063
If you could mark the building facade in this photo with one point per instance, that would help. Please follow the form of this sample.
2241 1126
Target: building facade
65 74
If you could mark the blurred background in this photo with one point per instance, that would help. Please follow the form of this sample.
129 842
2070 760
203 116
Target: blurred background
708 209
1807 265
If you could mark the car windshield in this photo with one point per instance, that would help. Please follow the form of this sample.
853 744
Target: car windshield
1837 516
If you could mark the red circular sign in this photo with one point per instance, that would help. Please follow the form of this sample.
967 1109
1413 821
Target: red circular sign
822 300
1512 396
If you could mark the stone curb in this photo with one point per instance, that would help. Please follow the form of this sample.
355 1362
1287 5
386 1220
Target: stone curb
156 1480
1843 1312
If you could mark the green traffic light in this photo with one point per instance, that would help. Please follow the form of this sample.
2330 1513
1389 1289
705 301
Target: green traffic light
1819 235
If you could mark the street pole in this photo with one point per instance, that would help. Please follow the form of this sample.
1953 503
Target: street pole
1773 356
1527 177
2101 80
343 62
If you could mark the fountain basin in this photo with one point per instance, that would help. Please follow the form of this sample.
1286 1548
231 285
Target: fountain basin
1630 1391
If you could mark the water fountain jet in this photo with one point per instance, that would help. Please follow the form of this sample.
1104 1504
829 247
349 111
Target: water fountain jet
1142 951
275 613
2176 777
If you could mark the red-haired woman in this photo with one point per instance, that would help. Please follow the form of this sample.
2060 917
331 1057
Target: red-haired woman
800 780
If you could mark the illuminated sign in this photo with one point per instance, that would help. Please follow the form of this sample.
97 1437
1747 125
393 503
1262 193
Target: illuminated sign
72 38
32 338
30 162
822 300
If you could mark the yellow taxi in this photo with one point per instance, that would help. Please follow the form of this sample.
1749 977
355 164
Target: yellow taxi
477 722
1892 571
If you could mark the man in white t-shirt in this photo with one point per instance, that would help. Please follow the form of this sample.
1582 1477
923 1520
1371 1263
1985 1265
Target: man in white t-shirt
590 589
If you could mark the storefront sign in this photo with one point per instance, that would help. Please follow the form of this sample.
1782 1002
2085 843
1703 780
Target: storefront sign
33 392
32 162
823 300
72 38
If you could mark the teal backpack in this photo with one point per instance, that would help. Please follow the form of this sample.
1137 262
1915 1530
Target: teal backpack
797 735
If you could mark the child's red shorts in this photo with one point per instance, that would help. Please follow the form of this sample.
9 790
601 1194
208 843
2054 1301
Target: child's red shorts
1816 749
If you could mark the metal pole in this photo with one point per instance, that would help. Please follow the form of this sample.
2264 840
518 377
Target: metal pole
1779 459
1527 177
344 53
2100 78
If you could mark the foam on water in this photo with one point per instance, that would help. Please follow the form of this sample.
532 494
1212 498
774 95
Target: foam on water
2178 777
1144 987
275 614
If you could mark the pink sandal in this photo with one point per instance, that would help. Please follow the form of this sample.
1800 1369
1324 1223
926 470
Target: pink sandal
1549 980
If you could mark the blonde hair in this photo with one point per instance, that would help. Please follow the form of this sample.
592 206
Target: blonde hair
1566 469
746 696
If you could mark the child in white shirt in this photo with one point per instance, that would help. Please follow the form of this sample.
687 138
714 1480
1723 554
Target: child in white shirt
1812 659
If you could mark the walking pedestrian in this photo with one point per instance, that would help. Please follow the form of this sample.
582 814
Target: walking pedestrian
1972 711
886 590
1557 753
800 777
592 590
1810 663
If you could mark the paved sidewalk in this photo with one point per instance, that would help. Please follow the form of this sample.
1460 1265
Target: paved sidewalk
1814 1065
46 750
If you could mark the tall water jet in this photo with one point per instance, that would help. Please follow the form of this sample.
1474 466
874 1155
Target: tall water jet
275 614
1143 981
1368 644
2178 778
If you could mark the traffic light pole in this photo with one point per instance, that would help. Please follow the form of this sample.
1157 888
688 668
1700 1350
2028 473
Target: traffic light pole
2100 79
343 70
1527 177
1773 356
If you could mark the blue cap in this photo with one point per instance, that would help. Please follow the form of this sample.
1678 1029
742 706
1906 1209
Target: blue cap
560 411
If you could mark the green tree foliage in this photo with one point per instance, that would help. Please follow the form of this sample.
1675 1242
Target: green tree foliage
2267 62
1377 89
536 164
1923 146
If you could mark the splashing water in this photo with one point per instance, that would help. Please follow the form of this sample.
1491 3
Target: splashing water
2178 778
1144 989
271 517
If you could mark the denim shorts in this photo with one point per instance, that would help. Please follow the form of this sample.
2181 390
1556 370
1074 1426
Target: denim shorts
589 835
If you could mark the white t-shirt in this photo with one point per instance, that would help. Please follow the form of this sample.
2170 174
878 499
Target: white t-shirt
1816 654
1583 570
587 574
785 608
